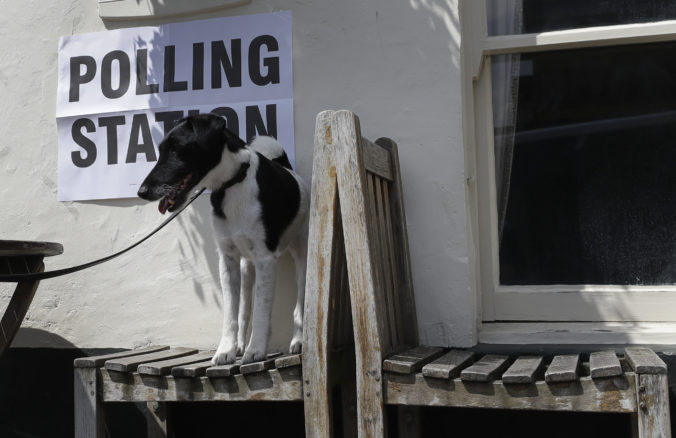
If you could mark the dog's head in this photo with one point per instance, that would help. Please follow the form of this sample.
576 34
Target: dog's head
187 154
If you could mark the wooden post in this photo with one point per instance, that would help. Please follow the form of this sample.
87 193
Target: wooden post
158 421
320 281
367 316
88 412
653 406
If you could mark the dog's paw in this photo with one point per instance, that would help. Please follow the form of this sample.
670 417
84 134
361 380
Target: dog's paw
296 346
224 357
251 355
240 349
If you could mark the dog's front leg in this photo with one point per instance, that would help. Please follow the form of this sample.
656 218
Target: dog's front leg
299 254
248 272
230 284
266 270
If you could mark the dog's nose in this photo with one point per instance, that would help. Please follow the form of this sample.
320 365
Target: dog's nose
143 192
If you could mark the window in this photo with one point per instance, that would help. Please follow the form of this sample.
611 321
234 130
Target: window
573 110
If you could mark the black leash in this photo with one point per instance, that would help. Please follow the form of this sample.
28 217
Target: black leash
51 274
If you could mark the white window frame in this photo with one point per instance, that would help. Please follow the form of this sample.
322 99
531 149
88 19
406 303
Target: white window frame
524 314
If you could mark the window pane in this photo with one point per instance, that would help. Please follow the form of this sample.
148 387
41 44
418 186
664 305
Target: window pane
586 165
507 17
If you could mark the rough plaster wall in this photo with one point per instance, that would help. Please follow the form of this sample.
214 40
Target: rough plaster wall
395 63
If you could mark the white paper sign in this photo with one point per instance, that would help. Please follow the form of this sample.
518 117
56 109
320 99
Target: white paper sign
120 91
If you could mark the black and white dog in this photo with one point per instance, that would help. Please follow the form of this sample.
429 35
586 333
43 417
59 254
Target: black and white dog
259 211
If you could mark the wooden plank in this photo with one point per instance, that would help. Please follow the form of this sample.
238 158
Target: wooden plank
371 221
97 361
273 385
653 405
320 283
257 367
158 420
604 364
368 310
616 394
223 370
404 281
377 160
384 278
89 420
486 369
197 369
411 361
523 370
131 363
644 361
449 365
564 368
163 367
396 291
291 360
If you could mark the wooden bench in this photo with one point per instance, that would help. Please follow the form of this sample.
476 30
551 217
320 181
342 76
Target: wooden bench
635 383
367 201
160 374
323 376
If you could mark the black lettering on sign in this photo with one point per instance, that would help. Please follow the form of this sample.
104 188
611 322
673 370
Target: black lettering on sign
107 76
168 119
111 123
198 66
170 83
230 116
232 65
85 143
139 125
271 63
142 85
78 77
254 121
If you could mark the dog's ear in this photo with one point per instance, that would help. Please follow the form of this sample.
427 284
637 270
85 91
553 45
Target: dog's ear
232 142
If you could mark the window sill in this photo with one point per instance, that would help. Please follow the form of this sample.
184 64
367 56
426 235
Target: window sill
621 333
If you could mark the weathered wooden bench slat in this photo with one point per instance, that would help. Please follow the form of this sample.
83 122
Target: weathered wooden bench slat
523 370
411 361
377 160
97 361
644 361
288 361
163 367
127 364
449 365
224 370
604 364
486 369
197 369
564 368
263 365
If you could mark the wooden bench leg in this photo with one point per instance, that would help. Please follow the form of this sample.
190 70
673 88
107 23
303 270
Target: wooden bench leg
653 402
158 420
89 422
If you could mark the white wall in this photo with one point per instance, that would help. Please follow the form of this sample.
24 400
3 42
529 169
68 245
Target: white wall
395 63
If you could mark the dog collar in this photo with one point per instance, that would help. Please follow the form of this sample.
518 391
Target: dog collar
218 195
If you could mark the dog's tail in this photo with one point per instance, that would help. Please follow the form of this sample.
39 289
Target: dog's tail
271 149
